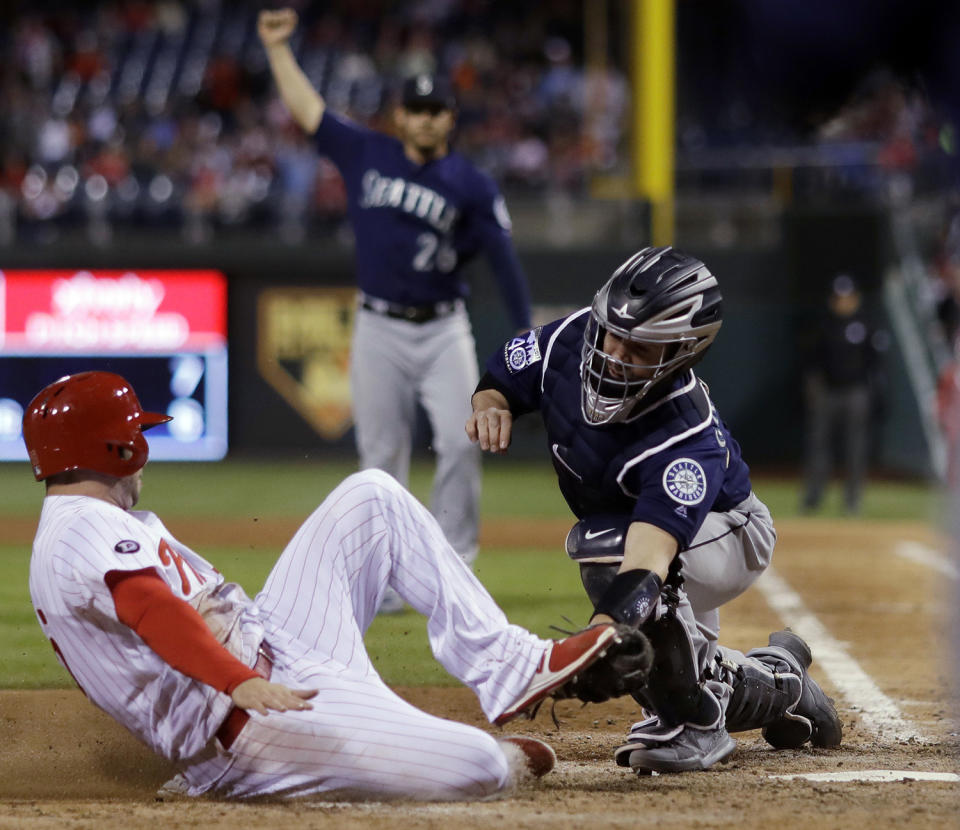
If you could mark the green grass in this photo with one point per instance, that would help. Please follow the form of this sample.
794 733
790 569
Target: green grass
882 500
287 488
536 587
26 659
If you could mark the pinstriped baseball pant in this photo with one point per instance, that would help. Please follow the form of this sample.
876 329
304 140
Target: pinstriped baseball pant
360 737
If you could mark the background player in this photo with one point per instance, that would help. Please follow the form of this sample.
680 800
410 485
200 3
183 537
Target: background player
419 212
219 684
843 392
670 528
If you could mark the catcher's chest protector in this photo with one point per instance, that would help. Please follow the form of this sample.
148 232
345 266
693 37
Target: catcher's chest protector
588 458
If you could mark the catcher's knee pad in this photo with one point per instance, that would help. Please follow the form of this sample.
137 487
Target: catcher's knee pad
598 539
674 690
765 689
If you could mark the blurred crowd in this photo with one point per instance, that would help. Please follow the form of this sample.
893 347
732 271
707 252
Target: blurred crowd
137 113
889 139
161 113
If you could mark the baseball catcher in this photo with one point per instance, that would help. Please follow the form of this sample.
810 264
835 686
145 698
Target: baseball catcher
669 526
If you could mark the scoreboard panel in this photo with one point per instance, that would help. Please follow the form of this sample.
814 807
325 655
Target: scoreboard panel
165 331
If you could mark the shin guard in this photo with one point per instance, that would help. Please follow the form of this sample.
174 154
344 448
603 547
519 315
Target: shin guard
674 690
766 688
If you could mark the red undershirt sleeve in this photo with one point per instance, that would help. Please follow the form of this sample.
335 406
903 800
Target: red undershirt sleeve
174 629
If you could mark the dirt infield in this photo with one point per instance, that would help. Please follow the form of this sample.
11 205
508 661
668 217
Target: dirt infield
64 764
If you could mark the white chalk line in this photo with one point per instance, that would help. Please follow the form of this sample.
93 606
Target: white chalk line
877 712
882 775
927 556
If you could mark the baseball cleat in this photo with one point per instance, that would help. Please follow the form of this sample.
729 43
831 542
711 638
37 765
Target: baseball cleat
646 734
175 787
642 726
685 749
538 756
565 659
814 718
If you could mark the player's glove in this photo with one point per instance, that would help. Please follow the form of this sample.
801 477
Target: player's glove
621 671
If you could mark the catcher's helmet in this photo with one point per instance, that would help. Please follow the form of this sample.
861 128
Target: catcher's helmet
660 298
84 422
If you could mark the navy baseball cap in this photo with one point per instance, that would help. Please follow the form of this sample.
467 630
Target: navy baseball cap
427 90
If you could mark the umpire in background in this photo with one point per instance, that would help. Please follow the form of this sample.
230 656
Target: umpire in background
419 212
842 391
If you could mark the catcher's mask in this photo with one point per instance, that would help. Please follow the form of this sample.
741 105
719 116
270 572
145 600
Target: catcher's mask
87 421
662 310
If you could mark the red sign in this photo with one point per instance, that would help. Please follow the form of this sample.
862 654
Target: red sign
60 311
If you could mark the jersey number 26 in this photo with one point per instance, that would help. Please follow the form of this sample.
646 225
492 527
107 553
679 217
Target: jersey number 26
434 254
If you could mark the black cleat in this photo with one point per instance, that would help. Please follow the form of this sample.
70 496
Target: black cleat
815 717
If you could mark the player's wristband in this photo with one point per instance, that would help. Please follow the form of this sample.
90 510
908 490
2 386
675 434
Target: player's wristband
631 597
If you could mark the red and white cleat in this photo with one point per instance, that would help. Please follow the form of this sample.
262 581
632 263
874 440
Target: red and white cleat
536 757
565 660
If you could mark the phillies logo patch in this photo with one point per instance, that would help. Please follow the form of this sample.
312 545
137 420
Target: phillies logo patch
127 546
522 351
685 481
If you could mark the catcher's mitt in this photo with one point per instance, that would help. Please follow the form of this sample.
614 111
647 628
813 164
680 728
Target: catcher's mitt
621 671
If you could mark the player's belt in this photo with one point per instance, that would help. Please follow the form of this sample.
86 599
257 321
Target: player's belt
237 718
411 313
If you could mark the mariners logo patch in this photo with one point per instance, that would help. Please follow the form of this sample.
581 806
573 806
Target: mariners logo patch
127 546
685 482
522 351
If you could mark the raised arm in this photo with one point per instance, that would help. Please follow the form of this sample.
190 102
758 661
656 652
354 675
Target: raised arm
306 105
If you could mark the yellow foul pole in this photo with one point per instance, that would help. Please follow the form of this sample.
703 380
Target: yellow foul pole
654 108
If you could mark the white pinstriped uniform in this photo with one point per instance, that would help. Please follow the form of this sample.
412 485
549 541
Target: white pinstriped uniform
317 602
74 547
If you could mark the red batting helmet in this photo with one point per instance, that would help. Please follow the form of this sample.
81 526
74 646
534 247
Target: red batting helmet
84 422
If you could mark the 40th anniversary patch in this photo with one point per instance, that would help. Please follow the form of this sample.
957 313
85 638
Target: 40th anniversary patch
685 481
523 351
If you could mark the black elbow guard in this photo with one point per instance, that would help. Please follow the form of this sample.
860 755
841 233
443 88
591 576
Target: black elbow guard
631 598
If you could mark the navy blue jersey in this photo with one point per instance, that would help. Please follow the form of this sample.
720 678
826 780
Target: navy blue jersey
670 466
417 225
